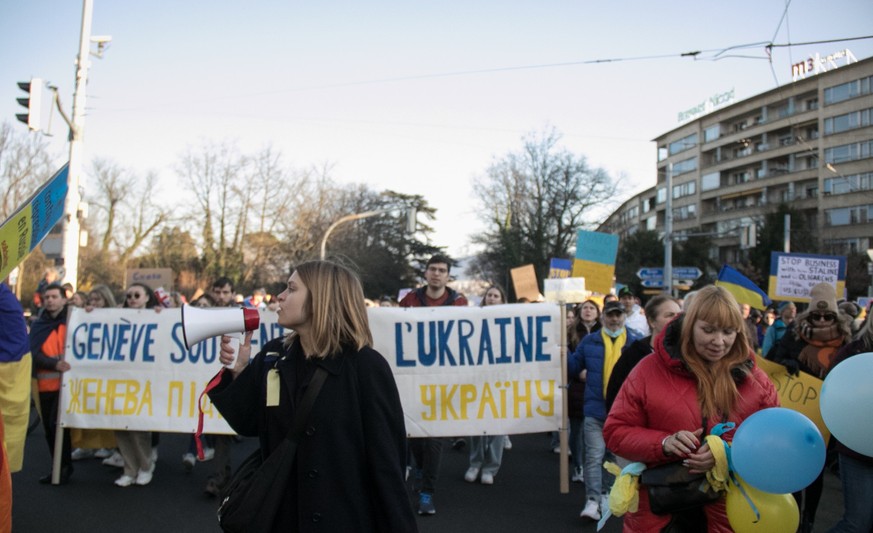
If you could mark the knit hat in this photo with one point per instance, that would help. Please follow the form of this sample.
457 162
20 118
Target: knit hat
823 297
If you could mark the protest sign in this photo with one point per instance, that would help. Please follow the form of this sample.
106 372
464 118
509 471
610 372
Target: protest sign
793 275
560 268
32 221
565 290
524 281
492 370
595 259
151 277
800 393
130 370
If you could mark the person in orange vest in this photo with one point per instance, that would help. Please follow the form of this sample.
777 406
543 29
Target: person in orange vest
47 336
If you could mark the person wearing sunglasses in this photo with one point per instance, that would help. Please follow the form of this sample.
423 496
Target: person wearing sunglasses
810 345
136 446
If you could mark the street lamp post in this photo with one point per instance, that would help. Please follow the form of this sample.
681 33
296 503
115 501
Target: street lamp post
410 224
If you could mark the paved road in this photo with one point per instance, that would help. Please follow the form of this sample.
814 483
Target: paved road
524 498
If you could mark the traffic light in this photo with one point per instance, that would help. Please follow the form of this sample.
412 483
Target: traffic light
33 102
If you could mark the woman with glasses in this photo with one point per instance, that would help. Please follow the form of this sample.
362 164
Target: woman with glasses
810 345
97 443
136 446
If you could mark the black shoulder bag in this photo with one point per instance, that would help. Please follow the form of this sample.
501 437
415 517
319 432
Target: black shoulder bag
254 494
673 489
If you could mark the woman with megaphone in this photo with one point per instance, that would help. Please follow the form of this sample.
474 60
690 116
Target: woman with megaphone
347 471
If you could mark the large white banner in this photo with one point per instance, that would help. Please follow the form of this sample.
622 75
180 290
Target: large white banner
131 370
460 370
474 370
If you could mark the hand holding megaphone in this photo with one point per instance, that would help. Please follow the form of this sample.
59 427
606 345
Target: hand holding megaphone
199 324
235 352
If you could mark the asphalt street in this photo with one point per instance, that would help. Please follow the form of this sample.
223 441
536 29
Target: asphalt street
524 498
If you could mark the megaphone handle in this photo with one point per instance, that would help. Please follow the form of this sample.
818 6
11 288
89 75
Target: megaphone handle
235 340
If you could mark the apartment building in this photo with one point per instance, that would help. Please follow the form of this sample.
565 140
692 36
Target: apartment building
808 144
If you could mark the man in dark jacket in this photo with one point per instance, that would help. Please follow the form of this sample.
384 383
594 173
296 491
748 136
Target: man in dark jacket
428 451
47 340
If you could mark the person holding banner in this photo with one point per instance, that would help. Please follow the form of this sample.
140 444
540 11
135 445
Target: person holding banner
486 451
810 346
701 373
348 472
47 341
136 446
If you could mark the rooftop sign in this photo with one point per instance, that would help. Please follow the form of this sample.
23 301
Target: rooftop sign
710 104
817 64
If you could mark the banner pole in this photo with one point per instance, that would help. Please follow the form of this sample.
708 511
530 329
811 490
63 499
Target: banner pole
563 434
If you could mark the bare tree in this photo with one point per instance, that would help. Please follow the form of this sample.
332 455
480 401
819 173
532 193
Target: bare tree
534 202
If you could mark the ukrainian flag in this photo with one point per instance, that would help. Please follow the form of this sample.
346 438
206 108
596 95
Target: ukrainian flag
742 288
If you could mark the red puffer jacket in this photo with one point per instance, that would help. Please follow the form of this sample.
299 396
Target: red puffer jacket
658 399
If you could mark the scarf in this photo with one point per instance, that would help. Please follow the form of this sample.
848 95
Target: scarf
611 353
822 344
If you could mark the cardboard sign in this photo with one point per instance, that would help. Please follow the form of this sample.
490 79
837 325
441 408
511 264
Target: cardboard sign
152 277
793 275
524 280
566 290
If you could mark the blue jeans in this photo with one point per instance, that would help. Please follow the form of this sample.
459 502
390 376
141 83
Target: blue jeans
577 443
857 479
486 453
597 480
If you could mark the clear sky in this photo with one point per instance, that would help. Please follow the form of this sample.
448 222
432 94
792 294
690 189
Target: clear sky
411 96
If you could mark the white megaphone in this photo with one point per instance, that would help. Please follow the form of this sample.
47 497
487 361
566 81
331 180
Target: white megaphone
202 323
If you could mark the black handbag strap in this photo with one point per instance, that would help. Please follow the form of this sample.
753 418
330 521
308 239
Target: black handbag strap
306 403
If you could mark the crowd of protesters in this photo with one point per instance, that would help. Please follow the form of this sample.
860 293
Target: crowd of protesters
618 347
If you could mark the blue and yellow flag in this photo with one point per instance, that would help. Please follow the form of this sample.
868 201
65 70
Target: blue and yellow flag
743 289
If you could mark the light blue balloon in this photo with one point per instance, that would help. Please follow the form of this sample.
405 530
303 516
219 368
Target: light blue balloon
847 403
778 450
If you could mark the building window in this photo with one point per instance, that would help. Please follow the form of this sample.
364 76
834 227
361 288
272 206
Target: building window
848 152
687 165
712 133
685 212
847 184
684 189
662 195
710 181
849 121
651 223
849 215
846 91
685 143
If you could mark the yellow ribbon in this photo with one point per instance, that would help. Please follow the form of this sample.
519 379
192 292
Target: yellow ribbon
719 474
624 496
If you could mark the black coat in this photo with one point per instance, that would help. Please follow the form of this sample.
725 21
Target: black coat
351 459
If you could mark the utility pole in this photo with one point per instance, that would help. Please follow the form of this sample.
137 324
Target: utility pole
71 229
668 232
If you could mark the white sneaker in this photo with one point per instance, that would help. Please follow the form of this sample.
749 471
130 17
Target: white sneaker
115 460
208 454
144 477
125 481
591 511
556 449
103 453
471 475
487 479
507 444
578 475
188 462
82 453
154 455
